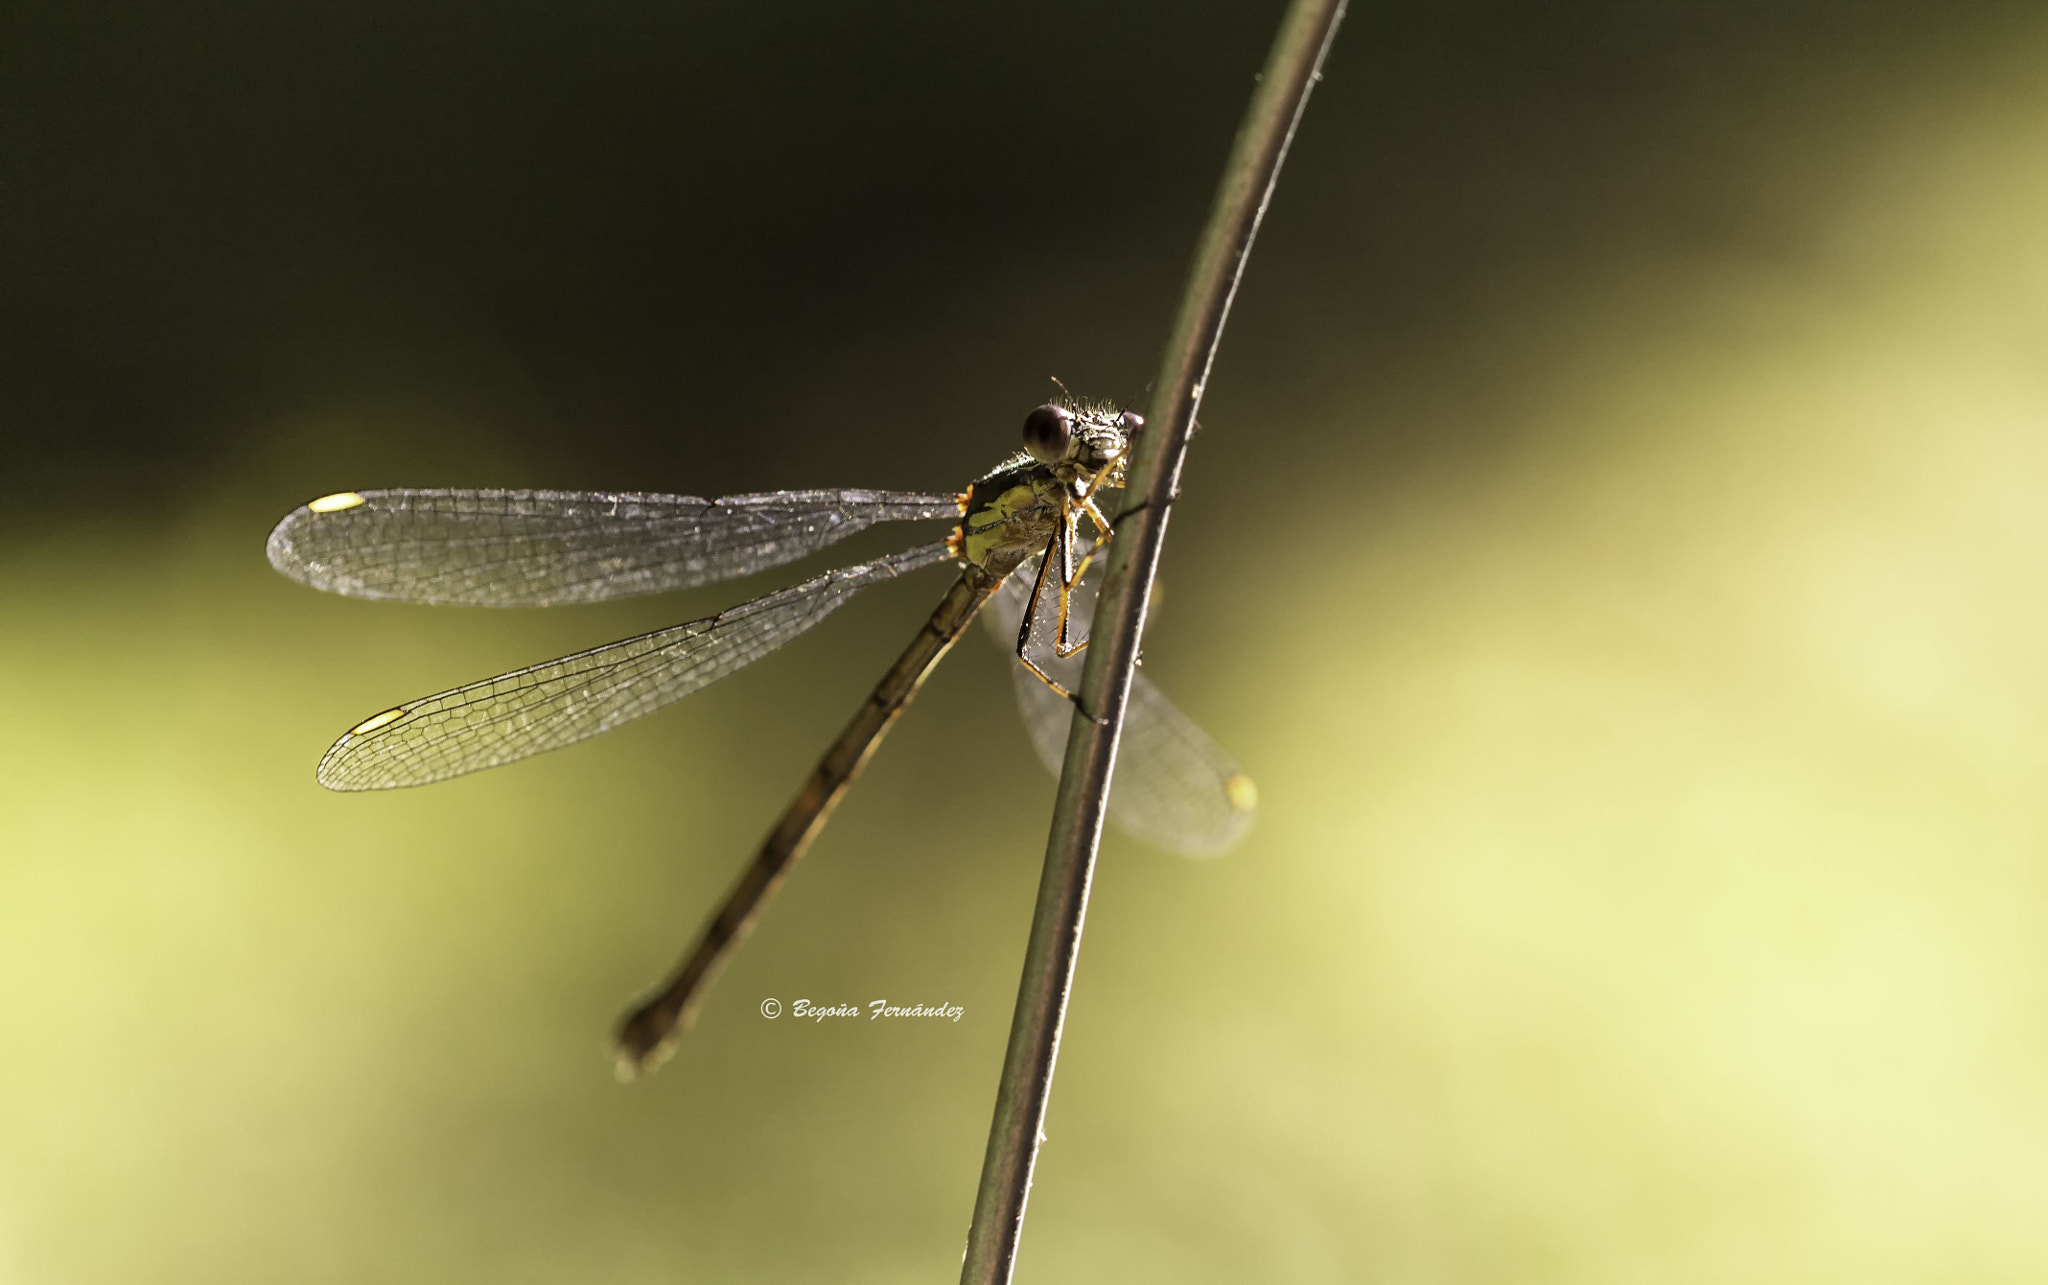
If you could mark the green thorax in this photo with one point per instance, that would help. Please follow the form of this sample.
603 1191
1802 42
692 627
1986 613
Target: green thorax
1008 515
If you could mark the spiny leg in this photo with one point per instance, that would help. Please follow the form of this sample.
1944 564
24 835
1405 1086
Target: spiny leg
1082 502
1070 576
1031 616
1062 646
1063 542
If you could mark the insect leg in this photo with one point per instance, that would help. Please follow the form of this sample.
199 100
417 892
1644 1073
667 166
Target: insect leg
1031 615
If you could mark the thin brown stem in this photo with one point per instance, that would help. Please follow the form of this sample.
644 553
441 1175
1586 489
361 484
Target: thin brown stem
1292 68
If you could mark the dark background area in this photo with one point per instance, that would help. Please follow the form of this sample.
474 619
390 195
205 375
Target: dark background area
1613 547
712 236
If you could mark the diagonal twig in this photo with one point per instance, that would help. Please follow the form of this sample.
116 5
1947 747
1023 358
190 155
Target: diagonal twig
1291 70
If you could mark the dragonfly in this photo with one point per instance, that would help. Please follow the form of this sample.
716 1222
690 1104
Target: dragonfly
1027 538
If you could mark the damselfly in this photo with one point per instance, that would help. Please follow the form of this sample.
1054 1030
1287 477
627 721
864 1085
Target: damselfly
1026 536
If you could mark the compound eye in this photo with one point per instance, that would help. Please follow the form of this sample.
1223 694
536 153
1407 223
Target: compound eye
1048 432
1133 421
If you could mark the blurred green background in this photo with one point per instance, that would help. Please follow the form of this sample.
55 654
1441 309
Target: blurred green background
1617 549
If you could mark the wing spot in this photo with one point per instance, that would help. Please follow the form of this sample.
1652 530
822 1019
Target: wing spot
337 502
385 719
1241 791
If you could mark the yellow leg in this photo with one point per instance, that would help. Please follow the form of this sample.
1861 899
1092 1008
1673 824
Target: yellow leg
1031 616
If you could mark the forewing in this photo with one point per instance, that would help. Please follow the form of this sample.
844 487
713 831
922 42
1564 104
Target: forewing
1174 788
557 703
544 548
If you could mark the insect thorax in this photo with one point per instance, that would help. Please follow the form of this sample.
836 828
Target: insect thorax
1007 515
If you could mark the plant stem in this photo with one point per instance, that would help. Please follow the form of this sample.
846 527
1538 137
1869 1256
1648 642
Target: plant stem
1291 70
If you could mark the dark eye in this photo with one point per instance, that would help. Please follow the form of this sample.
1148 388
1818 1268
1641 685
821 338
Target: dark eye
1133 421
1048 431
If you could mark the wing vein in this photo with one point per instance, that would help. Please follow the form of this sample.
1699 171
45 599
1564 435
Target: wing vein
544 548
571 698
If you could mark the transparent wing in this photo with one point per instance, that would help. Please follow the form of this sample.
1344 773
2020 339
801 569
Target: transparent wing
1174 787
560 702
544 548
